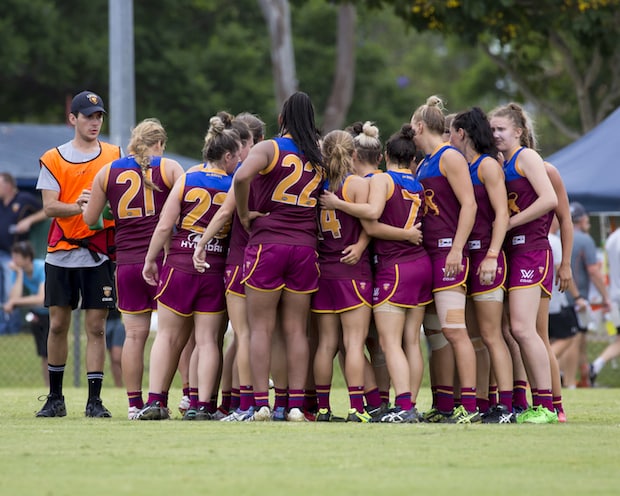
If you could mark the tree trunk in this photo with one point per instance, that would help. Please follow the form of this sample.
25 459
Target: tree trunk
277 13
344 75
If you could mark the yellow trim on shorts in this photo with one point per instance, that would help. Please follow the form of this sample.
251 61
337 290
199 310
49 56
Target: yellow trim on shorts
137 312
544 290
243 281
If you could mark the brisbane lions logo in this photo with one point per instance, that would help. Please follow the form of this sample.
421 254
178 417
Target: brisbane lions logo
92 98
429 203
512 203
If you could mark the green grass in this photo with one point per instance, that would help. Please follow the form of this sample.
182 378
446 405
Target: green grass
76 455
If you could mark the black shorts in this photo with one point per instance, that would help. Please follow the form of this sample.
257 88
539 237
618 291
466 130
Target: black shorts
94 286
40 328
563 325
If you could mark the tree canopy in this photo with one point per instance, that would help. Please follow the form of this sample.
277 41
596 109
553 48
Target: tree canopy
196 57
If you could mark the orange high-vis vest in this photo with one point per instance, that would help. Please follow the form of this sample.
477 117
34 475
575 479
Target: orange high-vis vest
69 233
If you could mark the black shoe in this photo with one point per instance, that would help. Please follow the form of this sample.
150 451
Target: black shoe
593 375
377 412
95 409
499 414
153 411
203 414
54 406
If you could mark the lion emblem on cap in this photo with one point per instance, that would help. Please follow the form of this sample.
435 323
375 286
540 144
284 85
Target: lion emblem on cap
93 99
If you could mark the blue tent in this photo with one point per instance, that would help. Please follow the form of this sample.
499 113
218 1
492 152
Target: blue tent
590 167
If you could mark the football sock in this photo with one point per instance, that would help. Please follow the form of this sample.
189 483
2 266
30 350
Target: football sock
310 400
356 397
385 396
493 396
295 398
373 398
445 398
235 399
193 398
56 373
519 394
246 397
226 400
281 398
482 404
468 399
135 399
505 398
261 399
322 395
403 401
557 404
95 381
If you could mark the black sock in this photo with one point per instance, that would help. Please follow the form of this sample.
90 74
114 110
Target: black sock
95 381
56 373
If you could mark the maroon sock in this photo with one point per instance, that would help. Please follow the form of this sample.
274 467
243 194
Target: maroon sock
493 396
545 398
135 399
403 401
373 398
322 395
235 399
434 396
261 399
281 398
468 399
193 398
445 398
482 404
295 398
186 390
226 396
156 397
557 404
505 398
310 400
519 394
385 396
356 397
246 398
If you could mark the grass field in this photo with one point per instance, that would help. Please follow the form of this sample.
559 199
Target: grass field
75 455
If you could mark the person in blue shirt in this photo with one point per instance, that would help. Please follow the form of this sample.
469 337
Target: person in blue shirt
28 291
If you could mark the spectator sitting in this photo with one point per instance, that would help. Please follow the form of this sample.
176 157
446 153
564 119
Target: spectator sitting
28 291
18 212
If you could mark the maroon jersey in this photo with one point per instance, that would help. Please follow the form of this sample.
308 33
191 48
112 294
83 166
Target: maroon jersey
480 236
521 194
337 231
135 207
441 207
203 191
403 208
288 189
238 241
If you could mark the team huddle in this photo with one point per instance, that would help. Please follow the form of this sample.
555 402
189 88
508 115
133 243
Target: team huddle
311 250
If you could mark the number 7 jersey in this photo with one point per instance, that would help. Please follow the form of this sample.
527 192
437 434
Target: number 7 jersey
288 189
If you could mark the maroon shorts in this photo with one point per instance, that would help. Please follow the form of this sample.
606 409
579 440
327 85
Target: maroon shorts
186 294
531 268
232 280
474 286
340 295
406 284
270 267
441 281
133 293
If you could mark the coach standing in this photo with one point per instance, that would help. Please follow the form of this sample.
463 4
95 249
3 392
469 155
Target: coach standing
77 266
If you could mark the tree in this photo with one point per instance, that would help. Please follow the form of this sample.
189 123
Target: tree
553 53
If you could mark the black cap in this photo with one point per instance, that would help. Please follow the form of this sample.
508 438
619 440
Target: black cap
87 103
